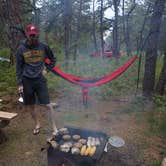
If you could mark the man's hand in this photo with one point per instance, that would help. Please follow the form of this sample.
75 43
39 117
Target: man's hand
20 89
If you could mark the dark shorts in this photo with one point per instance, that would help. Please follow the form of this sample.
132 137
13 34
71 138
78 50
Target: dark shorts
35 91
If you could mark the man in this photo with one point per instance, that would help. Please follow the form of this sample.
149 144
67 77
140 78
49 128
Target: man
30 63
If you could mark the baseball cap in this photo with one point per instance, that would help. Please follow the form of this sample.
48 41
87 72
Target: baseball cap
31 30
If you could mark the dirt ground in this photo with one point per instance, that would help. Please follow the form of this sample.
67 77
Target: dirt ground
22 148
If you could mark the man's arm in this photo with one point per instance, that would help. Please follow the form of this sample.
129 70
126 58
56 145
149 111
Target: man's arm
51 56
19 66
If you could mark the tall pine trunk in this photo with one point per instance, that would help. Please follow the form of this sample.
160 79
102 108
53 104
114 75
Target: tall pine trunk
94 27
78 31
11 16
115 30
101 28
151 51
67 19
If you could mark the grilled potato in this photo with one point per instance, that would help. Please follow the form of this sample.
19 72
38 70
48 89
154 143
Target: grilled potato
66 137
76 137
82 141
65 148
78 145
69 144
75 150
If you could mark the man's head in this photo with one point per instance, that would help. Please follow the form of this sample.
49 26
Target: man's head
32 34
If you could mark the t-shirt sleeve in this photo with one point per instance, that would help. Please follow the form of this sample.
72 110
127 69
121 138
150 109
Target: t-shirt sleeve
19 66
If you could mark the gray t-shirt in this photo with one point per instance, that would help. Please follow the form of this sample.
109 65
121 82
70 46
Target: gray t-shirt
30 61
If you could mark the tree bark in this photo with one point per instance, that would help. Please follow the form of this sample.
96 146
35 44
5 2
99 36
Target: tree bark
151 51
127 27
160 88
141 41
11 15
67 18
94 27
115 30
78 31
101 28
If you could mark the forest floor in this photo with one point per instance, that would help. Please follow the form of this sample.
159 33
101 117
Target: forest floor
141 148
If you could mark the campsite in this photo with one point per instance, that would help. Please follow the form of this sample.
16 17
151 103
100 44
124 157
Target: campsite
82 83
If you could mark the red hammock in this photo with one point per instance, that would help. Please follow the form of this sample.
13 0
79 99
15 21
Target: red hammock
86 83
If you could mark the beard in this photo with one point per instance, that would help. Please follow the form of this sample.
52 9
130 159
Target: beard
33 41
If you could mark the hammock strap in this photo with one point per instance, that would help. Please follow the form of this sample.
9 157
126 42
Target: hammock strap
85 96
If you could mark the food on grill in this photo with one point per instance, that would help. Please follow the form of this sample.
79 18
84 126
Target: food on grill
97 141
75 150
63 131
65 147
93 141
83 149
82 141
87 151
92 151
54 144
89 142
76 137
78 145
69 144
66 137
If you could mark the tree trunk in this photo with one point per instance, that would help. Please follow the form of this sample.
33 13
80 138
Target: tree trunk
78 31
128 41
160 88
151 52
115 30
123 14
11 16
141 41
101 28
67 17
128 28
94 27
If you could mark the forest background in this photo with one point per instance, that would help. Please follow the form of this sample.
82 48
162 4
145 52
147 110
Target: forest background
77 29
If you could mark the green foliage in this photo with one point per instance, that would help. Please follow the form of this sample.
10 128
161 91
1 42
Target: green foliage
136 105
5 52
157 118
7 79
53 81
156 163
159 65
160 102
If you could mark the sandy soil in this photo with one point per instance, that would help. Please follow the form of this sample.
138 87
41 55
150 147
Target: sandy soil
22 148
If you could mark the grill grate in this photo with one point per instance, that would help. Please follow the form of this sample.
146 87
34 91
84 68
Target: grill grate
58 158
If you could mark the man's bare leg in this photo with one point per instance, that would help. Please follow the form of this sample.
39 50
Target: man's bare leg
52 117
35 116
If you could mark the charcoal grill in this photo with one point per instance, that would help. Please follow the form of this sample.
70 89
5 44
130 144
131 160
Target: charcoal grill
59 158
